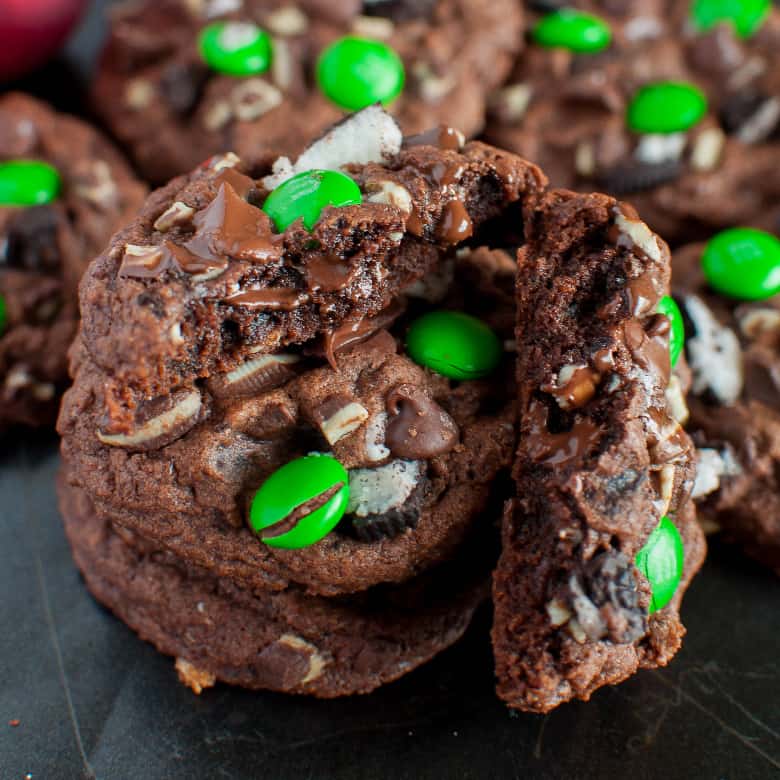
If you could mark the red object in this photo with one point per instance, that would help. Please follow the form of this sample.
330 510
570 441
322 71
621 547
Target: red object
31 31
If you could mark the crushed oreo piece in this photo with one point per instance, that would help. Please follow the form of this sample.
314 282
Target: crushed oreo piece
182 85
374 528
605 599
399 10
626 178
31 240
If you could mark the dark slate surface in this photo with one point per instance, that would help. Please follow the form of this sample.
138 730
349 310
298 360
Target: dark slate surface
93 701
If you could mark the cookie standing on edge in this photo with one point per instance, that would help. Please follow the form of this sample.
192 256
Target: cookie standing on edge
293 404
654 102
63 192
729 292
184 79
603 469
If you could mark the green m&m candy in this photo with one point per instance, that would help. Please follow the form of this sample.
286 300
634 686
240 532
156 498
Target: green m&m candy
3 315
453 344
28 183
661 561
668 307
574 30
307 194
235 48
746 16
356 72
301 502
743 263
666 107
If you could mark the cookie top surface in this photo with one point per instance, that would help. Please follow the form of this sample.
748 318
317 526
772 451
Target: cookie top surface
184 79
205 277
588 117
63 191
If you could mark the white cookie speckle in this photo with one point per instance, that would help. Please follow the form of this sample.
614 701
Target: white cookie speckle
376 491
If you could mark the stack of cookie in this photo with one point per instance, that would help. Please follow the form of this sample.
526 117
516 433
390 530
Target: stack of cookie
295 414
349 374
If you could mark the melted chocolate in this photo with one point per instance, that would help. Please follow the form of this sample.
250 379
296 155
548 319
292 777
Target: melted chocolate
330 273
642 294
418 428
231 226
455 225
558 448
650 348
241 183
443 137
353 332
273 298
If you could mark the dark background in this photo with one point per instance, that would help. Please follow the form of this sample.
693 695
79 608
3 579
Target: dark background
93 701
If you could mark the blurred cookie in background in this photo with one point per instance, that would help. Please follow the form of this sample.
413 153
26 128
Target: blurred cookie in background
674 106
728 290
181 80
63 191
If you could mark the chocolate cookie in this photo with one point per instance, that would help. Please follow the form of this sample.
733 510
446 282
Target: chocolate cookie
296 382
672 105
63 191
600 541
728 292
184 79
283 640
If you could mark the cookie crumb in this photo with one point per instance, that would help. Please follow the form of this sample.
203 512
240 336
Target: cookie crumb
195 679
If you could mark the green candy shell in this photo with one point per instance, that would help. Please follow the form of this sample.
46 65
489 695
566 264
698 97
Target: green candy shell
305 195
743 263
3 314
356 72
454 344
28 183
666 107
668 307
573 30
661 561
235 48
294 484
746 16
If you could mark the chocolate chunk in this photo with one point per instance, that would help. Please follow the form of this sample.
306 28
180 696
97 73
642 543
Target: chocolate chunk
399 10
418 428
31 240
182 85
633 176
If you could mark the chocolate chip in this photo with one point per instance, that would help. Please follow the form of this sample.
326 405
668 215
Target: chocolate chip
399 10
31 242
182 85
629 177
547 6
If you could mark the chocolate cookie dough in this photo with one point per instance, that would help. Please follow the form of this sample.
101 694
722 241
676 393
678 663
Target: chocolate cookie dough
728 291
181 80
294 390
601 540
672 105
63 191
